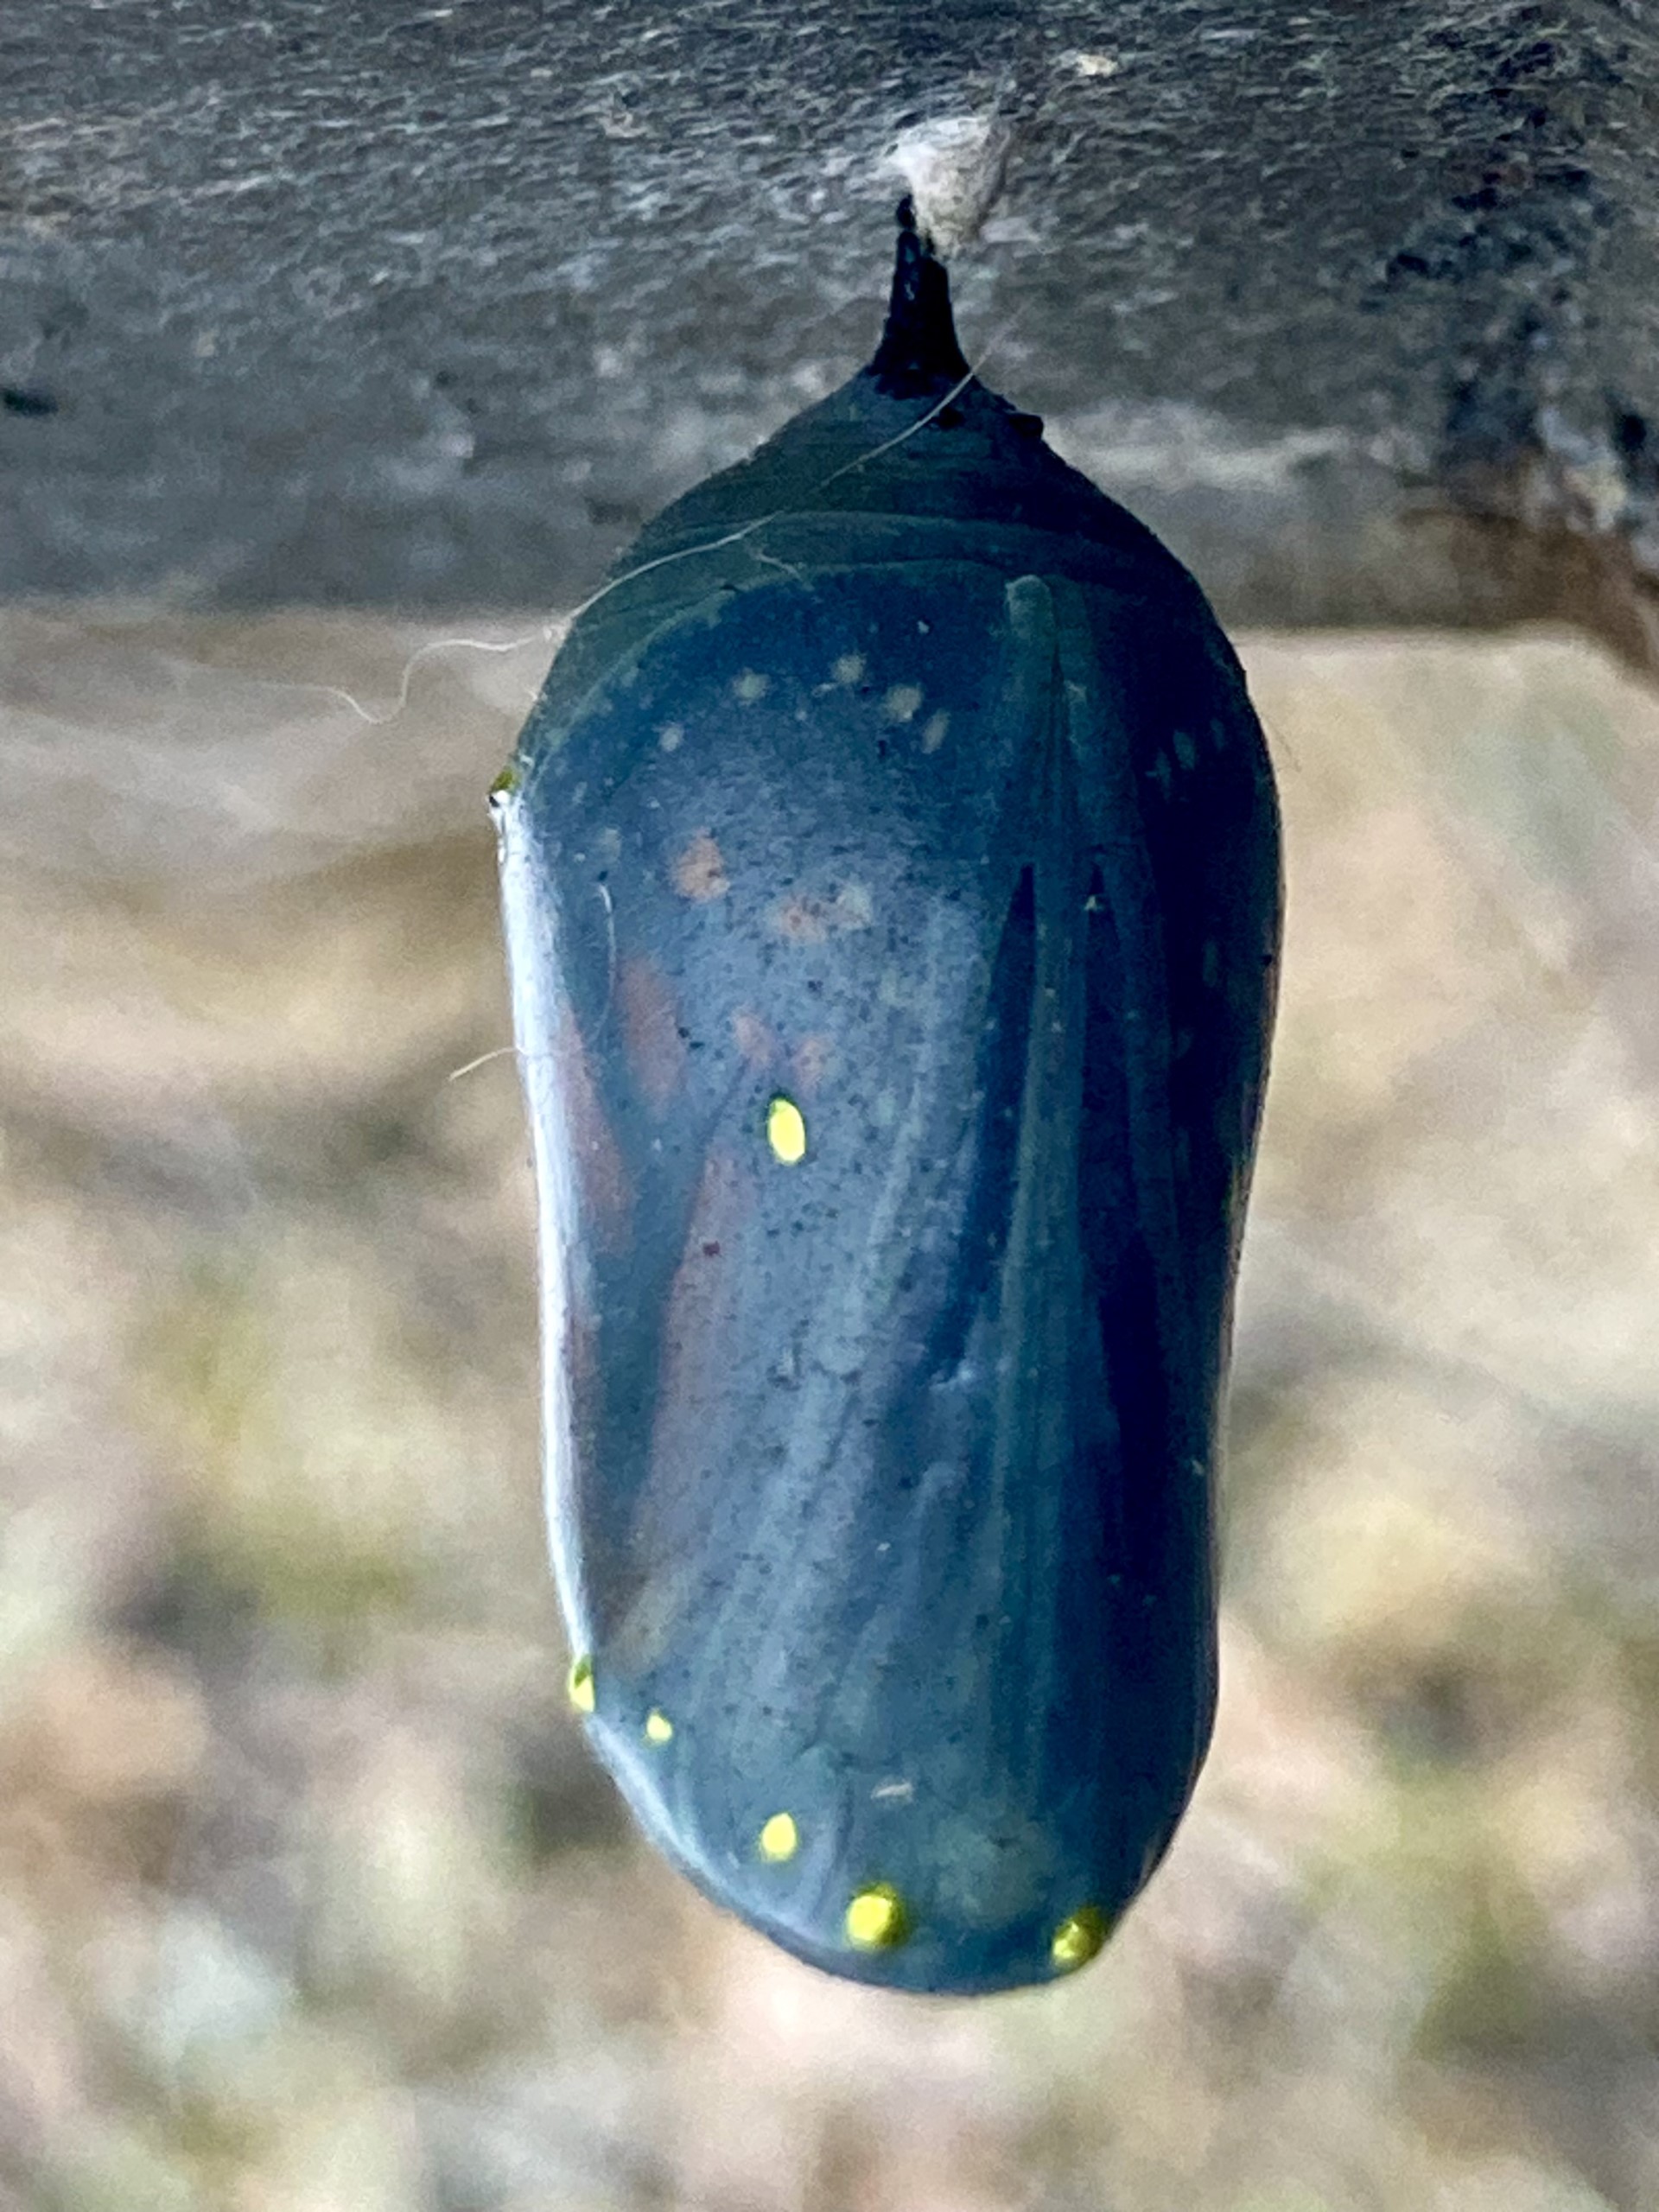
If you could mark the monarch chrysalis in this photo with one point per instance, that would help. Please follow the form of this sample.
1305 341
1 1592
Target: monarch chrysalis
891 872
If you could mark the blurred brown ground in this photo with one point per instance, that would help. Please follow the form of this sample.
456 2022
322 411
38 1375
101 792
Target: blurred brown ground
310 1900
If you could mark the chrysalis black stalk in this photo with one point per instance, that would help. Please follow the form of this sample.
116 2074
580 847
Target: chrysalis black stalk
918 356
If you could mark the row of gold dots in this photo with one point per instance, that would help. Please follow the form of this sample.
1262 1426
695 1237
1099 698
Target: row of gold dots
877 1918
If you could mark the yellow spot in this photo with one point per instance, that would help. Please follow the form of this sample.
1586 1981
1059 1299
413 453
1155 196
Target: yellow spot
933 731
506 783
659 1729
849 668
1077 1939
780 1840
786 1130
579 1683
750 687
902 702
876 1919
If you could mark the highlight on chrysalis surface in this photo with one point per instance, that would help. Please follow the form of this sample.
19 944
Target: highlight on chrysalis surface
890 871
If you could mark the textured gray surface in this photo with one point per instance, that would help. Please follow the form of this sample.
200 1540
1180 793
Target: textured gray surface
404 305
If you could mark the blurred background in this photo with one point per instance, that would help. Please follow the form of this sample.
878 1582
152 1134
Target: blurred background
310 1897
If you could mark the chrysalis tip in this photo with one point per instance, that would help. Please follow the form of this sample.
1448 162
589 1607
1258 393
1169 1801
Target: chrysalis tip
918 354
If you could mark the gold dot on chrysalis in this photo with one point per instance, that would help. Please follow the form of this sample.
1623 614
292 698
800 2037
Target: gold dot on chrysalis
579 1683
876 1919
779 1840
659 1729
785 1130
1078 1938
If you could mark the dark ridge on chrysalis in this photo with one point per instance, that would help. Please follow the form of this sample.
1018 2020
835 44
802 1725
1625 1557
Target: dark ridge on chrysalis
918 356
